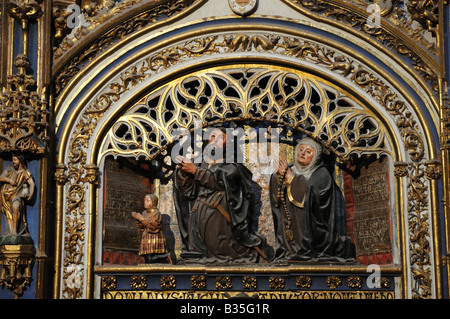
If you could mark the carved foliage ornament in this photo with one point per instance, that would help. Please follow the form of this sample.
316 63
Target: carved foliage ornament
418 222
23 114
424 11
319 55
101 43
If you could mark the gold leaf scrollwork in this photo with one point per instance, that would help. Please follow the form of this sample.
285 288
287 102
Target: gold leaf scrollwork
164 11
23 113
426 12
423 11
23 110
91 175
60 174
321 55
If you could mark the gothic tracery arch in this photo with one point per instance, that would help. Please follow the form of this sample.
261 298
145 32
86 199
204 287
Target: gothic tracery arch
78 151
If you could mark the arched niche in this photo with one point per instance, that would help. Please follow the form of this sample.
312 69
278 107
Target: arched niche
91 119
252 102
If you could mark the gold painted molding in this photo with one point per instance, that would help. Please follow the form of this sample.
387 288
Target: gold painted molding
256 269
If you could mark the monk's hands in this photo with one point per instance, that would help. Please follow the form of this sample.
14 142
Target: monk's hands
186 165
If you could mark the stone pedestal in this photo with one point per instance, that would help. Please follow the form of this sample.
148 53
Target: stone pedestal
16 263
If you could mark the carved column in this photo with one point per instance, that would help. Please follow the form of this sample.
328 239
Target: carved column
24 126
23 112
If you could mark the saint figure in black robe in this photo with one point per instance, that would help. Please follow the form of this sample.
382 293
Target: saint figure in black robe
219 228
308 210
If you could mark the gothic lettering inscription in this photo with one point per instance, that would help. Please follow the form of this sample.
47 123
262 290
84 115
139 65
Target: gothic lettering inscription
124 194
371 210
186 294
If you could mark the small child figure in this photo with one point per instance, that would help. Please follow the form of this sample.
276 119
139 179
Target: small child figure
153 243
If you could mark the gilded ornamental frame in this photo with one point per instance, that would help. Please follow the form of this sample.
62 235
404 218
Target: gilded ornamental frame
91 98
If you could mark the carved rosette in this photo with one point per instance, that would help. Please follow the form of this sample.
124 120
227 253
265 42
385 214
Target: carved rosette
334 282
138 282
303 281
223 282
249 282
276 283
354 282
109 282
168 282
198 281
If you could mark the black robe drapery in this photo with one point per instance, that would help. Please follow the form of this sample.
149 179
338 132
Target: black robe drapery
219 228
318 228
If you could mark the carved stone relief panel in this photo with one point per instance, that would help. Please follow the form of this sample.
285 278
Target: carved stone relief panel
312 119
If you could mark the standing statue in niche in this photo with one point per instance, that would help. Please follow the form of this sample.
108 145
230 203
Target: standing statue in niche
220 223
18 187
308 210
153 242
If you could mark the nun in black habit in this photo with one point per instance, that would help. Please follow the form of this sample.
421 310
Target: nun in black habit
307 209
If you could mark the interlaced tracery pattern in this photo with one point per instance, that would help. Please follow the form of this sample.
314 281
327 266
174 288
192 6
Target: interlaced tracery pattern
274 96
